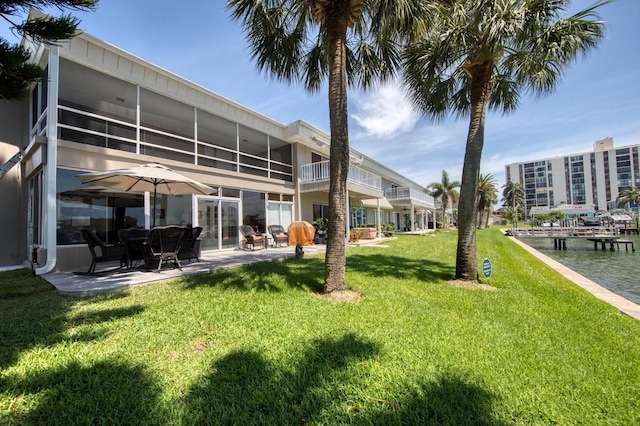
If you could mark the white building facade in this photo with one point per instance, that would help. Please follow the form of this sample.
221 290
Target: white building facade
593 179
99 107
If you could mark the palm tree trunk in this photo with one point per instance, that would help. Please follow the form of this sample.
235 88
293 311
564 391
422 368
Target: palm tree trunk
466 256
335 261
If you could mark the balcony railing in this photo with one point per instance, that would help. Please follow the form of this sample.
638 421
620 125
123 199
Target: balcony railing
319 172
406 193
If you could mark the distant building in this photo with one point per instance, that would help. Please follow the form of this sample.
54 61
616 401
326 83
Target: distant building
591 179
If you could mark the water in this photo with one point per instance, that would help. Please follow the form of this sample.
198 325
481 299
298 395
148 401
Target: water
617 271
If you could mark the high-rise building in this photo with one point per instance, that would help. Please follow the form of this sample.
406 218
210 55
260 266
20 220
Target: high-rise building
585 179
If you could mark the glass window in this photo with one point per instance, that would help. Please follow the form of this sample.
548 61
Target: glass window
171 210
90 207
320 211
253 209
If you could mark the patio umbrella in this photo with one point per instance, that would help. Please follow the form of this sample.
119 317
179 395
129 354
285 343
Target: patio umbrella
151 177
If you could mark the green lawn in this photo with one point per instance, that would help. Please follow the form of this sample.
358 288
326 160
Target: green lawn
254 346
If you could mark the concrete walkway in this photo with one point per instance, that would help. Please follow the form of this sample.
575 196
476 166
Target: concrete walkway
625 306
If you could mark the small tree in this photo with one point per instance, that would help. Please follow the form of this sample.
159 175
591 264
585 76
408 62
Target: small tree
445 190
628 195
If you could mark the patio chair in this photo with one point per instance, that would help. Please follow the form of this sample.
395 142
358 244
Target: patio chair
279 235
190 243
251 238
163 245
102 252
134 239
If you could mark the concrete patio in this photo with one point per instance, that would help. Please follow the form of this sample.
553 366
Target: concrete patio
70 283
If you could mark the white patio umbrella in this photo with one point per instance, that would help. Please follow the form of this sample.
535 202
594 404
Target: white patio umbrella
151 177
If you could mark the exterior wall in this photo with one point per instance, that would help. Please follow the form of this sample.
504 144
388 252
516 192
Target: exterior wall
14 119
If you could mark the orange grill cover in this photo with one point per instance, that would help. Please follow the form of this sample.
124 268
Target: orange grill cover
301 232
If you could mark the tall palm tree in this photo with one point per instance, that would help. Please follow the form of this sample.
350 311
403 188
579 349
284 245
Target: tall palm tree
482 54
513 197
346 41
446 191
629 195
487 197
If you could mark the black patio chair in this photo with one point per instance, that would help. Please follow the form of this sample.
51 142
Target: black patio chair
134 239
251 238
190 243
279 235
103 252
163 245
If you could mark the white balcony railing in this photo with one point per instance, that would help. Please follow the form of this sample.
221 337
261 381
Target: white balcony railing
318 172
406 193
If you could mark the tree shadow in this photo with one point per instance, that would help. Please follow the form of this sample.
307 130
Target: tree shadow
244 388
382 265
44 320
307 275
449 400
118 392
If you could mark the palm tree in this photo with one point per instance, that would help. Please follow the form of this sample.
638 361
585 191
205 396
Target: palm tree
629 195
487 197
482 54
445 190
513 197
306 41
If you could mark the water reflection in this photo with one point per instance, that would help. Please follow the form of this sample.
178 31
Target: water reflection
617 271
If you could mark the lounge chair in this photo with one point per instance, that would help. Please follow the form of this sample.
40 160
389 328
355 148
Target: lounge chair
103 252
163 245
279 235
251 238
189 246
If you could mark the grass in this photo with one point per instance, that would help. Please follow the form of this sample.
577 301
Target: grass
21 282
253 346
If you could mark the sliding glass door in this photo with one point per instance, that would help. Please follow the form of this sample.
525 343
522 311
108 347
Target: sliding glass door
219 222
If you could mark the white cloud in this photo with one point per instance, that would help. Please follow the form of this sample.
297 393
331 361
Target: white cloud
384 113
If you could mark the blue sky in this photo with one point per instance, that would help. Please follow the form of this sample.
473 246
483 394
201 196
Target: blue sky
598 97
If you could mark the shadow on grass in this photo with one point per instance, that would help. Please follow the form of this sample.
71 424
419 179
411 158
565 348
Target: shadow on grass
104 393
44 320
386 266
324 386
307 275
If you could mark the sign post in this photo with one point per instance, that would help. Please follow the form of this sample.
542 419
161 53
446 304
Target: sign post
486 268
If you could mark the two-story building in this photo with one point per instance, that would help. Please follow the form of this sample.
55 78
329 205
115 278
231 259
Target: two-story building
99 107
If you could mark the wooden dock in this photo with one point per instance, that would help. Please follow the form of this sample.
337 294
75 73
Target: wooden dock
602 235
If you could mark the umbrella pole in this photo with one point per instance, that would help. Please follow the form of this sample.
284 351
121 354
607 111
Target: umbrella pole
154 206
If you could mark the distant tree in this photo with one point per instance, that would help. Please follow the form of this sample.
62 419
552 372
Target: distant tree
630 195
513 197
16 73
487 197
346 41
481 55
446 191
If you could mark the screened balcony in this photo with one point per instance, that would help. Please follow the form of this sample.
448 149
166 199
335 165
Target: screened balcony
405 194
319 173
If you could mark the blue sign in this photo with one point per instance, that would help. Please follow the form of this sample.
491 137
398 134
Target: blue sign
486 268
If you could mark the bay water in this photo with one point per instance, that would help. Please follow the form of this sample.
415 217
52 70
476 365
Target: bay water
617 271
